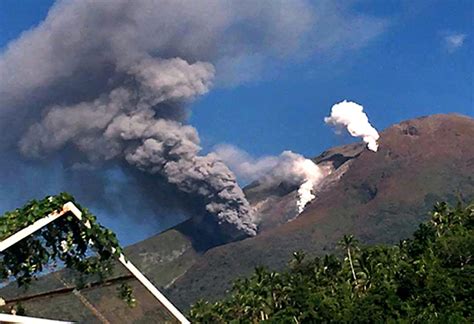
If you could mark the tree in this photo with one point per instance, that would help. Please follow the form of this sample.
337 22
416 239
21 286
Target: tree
348 242
65 240
429 278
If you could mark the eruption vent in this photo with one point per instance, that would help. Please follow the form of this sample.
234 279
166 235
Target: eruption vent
288 168
349 115
295 169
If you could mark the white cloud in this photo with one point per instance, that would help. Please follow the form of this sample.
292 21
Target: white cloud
454 41
246 167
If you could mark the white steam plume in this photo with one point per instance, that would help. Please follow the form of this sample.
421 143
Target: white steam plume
289 168
350 115
313 175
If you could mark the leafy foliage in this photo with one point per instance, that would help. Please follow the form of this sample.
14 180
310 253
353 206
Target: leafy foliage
126 293
429 278
65 240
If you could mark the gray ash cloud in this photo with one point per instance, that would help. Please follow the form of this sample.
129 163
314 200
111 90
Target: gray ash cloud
110 82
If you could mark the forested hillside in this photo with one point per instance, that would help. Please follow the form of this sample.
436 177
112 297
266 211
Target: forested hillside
428 278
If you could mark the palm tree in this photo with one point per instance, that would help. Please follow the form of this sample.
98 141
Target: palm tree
349 242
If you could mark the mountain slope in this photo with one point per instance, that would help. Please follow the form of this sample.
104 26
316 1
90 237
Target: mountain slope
378 197
381 197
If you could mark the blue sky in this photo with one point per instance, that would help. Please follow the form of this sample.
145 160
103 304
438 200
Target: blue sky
405 73
420 64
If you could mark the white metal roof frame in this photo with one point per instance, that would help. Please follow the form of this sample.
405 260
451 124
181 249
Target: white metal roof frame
8 318
70 207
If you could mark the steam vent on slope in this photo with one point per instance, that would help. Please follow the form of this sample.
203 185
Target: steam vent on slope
349 115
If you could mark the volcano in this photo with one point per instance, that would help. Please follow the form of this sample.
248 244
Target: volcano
379 197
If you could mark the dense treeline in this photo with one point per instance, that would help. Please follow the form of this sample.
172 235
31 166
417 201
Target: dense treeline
428 278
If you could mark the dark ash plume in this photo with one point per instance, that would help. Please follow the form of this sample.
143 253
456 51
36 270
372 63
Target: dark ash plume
110 82
130 123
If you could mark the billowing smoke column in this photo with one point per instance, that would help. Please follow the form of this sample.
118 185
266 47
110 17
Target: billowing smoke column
351 116
110 81
123 124
101 83
289 168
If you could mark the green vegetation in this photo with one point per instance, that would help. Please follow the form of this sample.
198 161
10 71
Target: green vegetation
65 240
429 278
